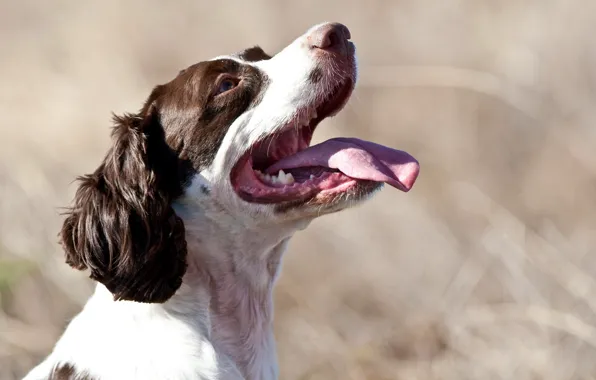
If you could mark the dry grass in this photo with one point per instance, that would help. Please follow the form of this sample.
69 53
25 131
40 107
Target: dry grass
487 270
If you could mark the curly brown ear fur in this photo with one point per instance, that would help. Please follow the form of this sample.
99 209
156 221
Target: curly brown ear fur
122 225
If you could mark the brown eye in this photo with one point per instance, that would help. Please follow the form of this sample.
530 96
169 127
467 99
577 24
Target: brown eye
226 85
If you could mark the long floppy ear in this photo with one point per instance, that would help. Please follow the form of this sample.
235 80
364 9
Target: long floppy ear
122 226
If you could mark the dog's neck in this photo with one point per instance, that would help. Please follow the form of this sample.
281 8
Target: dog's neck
234 268
239 292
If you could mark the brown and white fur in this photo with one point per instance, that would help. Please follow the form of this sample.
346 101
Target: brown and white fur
185 266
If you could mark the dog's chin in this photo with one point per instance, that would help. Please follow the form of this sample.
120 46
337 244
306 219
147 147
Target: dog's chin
328 202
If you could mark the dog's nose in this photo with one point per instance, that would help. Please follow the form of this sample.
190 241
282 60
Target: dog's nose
330 37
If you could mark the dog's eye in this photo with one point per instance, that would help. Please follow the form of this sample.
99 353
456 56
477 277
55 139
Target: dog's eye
226 85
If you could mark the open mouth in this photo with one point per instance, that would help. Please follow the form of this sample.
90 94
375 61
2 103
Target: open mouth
285 168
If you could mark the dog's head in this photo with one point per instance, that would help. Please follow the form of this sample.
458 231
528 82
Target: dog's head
230 135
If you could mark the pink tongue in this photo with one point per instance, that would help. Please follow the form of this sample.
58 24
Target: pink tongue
357 159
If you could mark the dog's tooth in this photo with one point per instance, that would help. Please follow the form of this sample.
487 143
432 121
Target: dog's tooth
285 178
312 176
282 177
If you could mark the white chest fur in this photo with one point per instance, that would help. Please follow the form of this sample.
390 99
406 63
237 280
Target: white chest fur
124 340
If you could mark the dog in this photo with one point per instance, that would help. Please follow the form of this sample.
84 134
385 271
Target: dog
184 223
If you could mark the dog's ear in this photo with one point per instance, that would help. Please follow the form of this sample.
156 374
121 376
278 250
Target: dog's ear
122 226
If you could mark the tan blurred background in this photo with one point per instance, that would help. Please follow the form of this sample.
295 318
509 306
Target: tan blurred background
486 270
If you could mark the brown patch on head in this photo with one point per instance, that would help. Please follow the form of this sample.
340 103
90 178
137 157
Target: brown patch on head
122 225
68 372
195 117
254 54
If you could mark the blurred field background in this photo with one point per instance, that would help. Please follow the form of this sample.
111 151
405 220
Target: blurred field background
486 270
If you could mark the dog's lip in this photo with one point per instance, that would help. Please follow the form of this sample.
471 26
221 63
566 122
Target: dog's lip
255 190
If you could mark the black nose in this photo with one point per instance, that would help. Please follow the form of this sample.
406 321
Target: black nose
331 37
